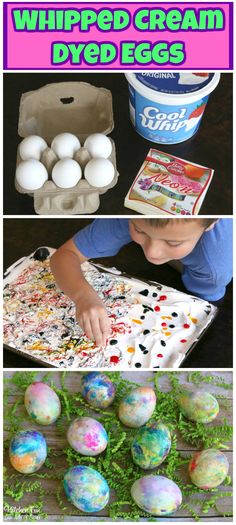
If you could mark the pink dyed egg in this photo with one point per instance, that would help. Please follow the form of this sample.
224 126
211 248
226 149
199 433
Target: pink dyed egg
42 403
87 436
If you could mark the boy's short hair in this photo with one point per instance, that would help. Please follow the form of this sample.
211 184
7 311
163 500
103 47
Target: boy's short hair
160 223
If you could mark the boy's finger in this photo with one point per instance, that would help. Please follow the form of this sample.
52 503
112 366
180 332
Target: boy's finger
88 329
105 327
97 333
105 323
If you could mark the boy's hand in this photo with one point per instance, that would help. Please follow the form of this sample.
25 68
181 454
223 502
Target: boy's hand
92 316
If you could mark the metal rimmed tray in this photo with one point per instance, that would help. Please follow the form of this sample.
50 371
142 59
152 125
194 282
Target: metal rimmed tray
43 253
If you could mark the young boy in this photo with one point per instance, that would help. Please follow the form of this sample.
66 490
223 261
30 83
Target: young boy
201 247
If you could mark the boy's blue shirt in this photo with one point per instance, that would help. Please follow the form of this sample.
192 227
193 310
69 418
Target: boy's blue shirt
207 269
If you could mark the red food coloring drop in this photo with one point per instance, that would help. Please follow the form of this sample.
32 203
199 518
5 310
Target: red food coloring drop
157 308
186 325
183 340
159 355
163 324
114 359
162 297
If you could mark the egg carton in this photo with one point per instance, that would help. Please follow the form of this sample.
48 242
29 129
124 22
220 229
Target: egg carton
73 107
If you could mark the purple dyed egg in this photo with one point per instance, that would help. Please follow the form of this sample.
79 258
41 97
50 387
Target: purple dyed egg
157 495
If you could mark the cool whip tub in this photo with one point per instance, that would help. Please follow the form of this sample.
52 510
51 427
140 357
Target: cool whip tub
167 108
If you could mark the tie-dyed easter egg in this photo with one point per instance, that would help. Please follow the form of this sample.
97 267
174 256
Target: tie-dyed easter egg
28 451
137 407
151 445
157 495
86 488
87 436
198 406
42 403
208 468
97 389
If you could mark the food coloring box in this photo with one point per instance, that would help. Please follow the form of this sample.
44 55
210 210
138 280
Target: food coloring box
168 185
167 108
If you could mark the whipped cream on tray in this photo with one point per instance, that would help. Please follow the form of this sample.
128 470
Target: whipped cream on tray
152 326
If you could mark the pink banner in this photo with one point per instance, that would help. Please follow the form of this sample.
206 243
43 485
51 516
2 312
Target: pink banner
118 36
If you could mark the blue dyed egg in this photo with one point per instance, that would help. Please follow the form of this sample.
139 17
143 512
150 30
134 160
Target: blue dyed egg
198 406
97 389
28 451
151 445
137 407
42 403
157 495
87 436
86 488
208 468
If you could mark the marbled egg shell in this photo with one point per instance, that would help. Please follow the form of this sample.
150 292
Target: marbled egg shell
86 488
157 495
28 451
198 406
98 389
208 468
42 403
137 407
87 436
151 445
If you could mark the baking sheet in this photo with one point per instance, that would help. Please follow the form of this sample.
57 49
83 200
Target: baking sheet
15 270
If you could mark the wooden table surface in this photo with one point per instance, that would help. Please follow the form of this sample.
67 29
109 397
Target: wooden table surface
211 146
56 441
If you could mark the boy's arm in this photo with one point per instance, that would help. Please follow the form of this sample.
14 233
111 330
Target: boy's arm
90 310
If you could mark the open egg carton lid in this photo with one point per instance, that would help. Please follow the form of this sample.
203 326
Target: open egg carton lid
74 107
95 358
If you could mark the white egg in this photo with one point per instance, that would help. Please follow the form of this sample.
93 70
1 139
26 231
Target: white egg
99 172
98 145
31 174
65 145
32 147
66 173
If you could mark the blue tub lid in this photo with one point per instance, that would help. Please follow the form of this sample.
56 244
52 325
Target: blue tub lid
175 83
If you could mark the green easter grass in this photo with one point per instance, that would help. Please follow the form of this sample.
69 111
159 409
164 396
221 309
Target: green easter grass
115 464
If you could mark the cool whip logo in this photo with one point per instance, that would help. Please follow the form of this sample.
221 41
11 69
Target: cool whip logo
152 118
